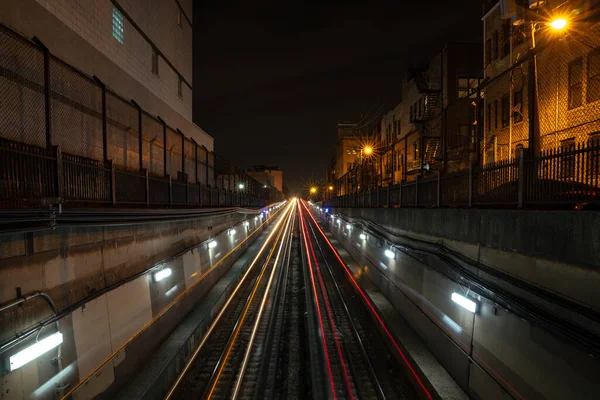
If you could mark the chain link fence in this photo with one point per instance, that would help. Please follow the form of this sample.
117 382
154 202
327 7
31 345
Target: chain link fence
64 134
22 101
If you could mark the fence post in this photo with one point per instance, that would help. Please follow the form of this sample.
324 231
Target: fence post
113 186
521 178
47 96
210 196
147 188
59 172
139 133
378 196
104 134
439 184
417 191
470 185
400 195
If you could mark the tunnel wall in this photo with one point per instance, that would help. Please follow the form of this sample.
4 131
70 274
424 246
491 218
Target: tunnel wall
558 251
72 265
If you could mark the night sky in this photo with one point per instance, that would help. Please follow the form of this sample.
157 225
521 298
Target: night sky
272 78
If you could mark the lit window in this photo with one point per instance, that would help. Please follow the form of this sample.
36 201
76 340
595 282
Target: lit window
155 62
180 87
117 25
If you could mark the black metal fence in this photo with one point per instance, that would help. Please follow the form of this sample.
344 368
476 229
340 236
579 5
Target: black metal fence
562 176
65 135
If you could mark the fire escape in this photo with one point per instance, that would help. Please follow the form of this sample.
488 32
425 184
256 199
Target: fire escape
429 145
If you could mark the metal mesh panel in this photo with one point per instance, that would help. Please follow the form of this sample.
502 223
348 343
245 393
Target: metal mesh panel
211 169
568 91
152 133
202 166
190 160
22 103
76 110
122 132
173 152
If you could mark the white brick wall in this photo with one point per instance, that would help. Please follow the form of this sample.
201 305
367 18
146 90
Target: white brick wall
92 20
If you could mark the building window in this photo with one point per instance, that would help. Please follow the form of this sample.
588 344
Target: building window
593 78
517 110
155 62
495 43
575 84
180 87
567 166
488 51
415 150
495 114
506 37
489 117
466 86
505 110
117 25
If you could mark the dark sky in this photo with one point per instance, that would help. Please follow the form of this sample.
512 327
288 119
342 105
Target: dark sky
272 78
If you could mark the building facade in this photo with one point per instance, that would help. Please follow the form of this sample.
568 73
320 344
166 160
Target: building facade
268 175
560 68
434 126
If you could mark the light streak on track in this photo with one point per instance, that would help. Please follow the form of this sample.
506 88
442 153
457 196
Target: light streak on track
368 302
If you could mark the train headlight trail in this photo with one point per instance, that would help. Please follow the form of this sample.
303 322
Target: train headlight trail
275 230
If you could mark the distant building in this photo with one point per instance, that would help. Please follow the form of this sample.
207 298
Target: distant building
348 146
268 175
434 126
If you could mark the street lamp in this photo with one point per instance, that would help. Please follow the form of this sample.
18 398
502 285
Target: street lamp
558 24
330 188
241 186
313 190
368 150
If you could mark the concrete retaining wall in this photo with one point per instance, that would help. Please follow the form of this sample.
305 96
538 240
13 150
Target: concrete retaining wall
558 251
71 264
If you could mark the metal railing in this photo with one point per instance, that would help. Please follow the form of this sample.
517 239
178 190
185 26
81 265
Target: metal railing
567 176
66 136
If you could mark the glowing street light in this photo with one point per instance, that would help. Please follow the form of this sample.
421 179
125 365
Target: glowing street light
330 187
368 150
313 190
241 186
558 24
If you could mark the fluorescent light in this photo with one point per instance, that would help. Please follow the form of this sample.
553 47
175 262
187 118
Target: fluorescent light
162 274
231 232
362 236
246 223
35 350
212 244
348 226
465 303
255 218
389 254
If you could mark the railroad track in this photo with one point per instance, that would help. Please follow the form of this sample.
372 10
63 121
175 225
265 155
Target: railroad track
356 356
231 361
